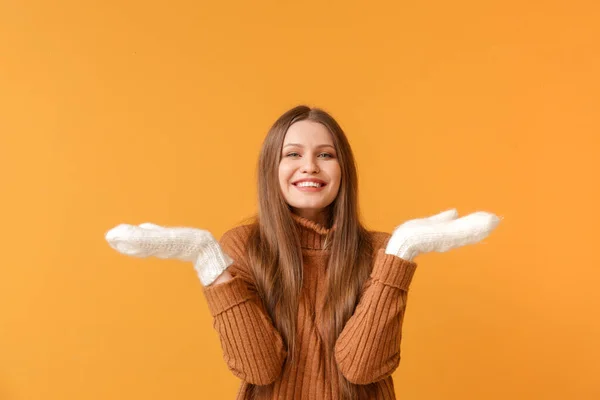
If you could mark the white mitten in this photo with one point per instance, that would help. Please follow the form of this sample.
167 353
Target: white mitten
440 232
185 244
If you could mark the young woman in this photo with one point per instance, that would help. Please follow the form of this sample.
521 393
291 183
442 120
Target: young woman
307 302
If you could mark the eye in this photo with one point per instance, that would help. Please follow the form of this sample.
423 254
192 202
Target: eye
327 155
292 154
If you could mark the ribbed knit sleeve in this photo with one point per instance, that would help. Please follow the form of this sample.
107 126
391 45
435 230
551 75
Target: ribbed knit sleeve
252 347
368 348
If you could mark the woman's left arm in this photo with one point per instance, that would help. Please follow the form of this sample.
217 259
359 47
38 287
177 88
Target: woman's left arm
368 348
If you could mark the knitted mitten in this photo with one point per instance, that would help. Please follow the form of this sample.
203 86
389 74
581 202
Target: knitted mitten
185 244
440 232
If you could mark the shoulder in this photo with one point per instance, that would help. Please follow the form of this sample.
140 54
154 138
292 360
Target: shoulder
379 239
235 240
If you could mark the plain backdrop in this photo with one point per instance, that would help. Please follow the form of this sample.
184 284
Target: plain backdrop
131 111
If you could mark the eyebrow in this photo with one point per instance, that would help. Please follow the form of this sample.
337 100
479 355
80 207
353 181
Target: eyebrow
299 145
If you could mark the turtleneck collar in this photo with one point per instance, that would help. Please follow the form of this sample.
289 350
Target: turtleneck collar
312 234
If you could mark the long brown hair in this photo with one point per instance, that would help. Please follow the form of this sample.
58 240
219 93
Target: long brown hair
275 253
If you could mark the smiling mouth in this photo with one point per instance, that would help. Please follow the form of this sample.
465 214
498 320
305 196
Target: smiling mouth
309 185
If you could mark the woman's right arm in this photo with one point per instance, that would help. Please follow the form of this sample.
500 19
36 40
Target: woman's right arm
252 347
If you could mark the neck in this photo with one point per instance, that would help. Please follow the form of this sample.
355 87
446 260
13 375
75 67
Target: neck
312 234
314 215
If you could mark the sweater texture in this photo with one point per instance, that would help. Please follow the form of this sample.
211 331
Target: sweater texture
367 351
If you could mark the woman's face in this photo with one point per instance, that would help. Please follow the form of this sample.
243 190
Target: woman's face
309 171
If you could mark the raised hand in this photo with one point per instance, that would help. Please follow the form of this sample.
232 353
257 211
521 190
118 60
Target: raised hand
440 233
186 244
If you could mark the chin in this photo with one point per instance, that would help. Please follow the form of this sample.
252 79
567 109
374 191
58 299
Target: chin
303 205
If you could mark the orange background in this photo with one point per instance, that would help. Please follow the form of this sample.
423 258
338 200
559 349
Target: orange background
127 112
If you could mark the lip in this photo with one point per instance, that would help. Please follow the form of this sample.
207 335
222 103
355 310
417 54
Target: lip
309 180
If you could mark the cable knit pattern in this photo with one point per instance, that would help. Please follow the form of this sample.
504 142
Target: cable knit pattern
366 352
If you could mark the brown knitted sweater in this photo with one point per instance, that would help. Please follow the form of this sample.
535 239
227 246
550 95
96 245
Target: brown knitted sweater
366 352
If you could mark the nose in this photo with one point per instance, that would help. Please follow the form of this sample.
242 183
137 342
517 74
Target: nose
310 166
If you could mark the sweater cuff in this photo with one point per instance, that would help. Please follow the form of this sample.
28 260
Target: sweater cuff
223 296
392 270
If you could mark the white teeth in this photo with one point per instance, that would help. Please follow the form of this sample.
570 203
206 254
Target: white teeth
306 184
